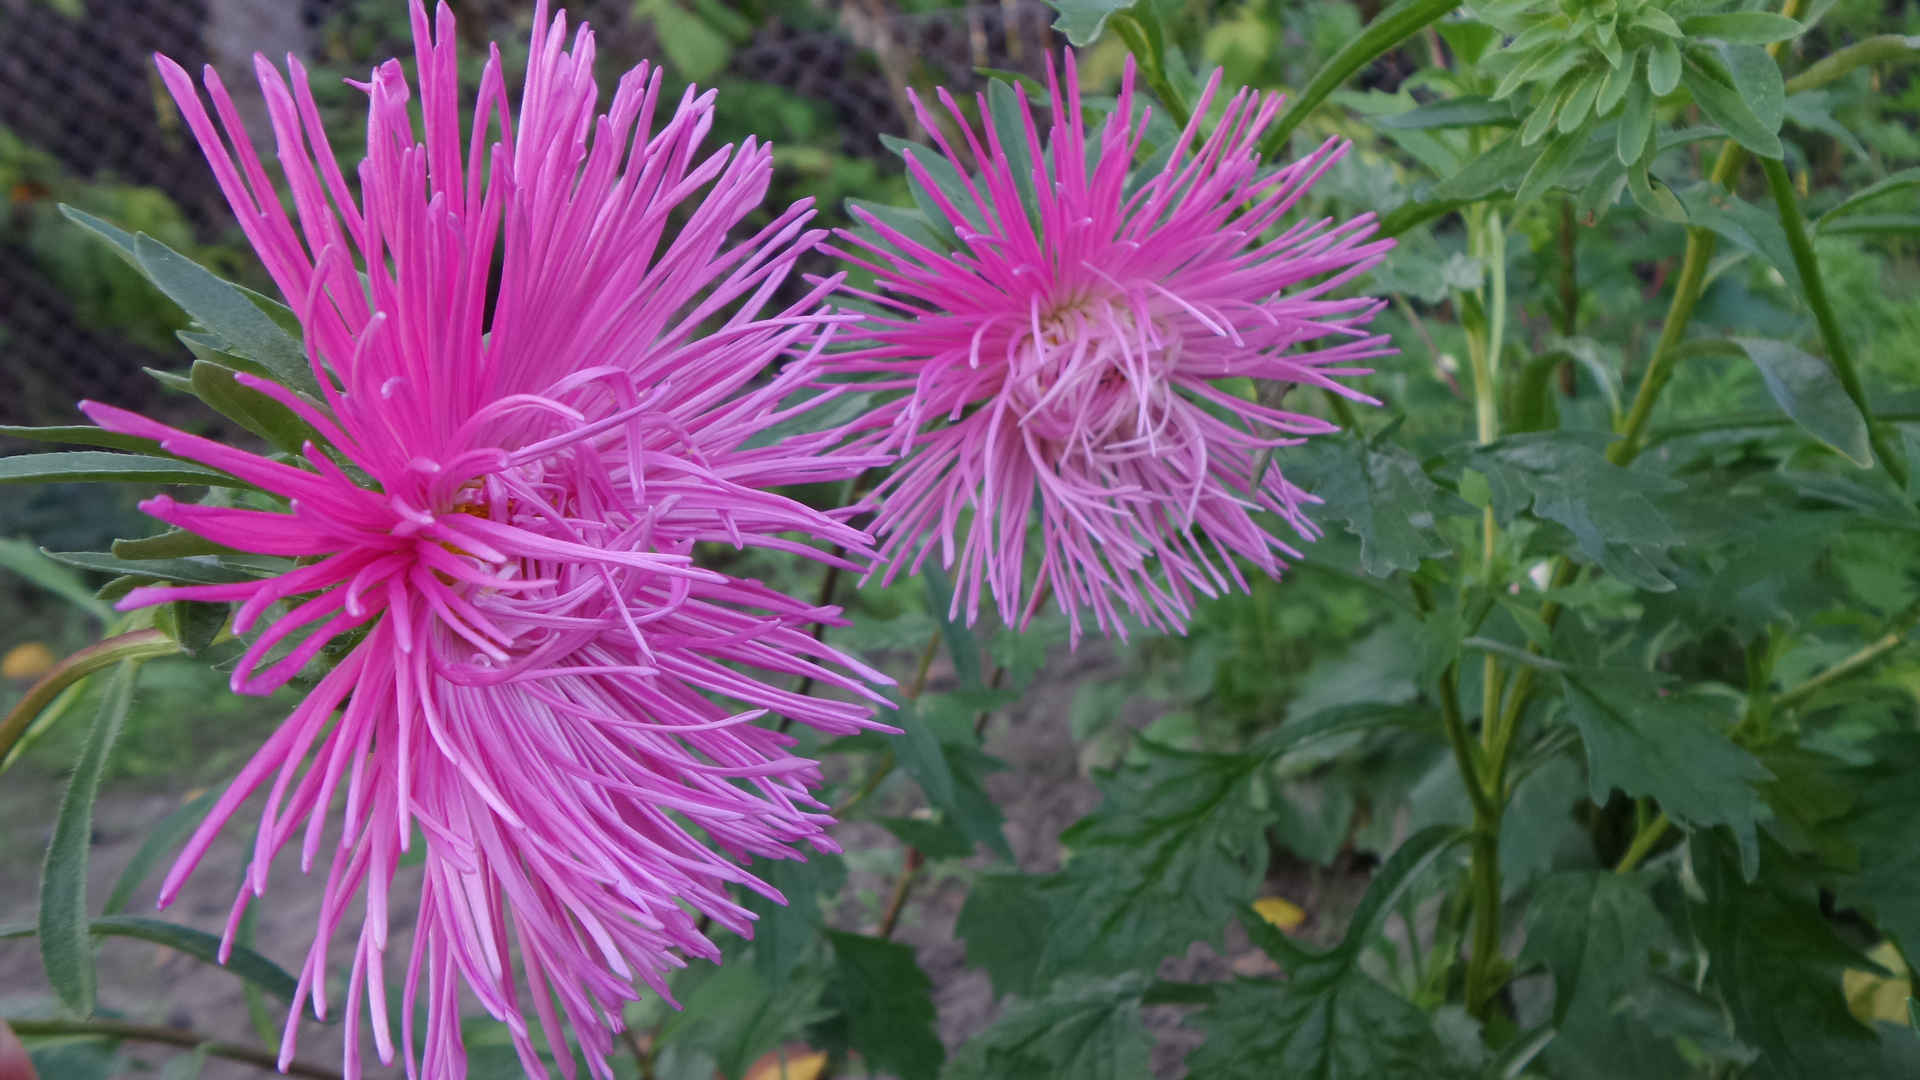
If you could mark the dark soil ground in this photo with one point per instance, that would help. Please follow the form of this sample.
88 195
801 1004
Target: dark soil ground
1044 789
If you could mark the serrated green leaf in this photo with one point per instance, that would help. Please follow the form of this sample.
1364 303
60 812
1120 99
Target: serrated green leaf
1807 389
1592 931
166 836
1084 1029
1328 1018
1669 748
1005 924
888 1004
1742 27
1777 965
1382 495
783 934
1883 824
731 1017
66 943
1083 21
76 466
1565 478
1726 107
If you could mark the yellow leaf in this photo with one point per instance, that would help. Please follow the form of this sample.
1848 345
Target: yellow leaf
1282 913
807 1066
1872 996
28 660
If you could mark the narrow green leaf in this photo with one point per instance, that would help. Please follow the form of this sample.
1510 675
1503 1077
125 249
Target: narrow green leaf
1389 28
1579 103
216 385
920 754
1724 106
1458 112
888 1003
66 947
172 544
26 560
210 570
1636 125
1551 165
245 963
82 435
166 835
227 312
1742 27
76 466
1807 390
1899 181
1613 89
1663 68
1499 168
961 645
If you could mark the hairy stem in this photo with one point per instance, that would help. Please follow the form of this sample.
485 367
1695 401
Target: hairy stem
136 645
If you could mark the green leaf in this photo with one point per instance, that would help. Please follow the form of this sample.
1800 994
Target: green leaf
1565 478
1006 925
1458 112
888 1004
1777 964
1900 181
1085 1029
172 544
921 755
731 1017
1671 749
1499 168
1550 167
1742 27
961 645
215 384
1388 29
1747 227
1663 68
1808 390
1592 930
784 934
1381 494
1758 82
1083 21
243 962
1725 106
82 435
1884 826
205 570
73 466
1636 125
1328 1018
27 561
166 835
935 840
66 945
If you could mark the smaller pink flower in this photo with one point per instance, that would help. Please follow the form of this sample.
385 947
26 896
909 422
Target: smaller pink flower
1068 358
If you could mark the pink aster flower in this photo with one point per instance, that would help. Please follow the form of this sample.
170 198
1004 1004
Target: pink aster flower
495 524
1069 356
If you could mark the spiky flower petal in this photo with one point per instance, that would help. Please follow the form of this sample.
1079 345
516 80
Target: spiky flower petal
1079 353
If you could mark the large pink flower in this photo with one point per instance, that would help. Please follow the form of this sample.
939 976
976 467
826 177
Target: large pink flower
507 487
1069 350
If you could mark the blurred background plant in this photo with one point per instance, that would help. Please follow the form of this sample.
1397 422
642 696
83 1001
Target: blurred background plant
1693 671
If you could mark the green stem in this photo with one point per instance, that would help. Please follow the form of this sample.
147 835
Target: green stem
137 645
1642 844
191 1040
1839 356
1873 50
1483 961
1886 643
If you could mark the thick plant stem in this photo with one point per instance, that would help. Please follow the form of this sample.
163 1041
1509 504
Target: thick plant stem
191 1040
136 645
1484 962
1839 356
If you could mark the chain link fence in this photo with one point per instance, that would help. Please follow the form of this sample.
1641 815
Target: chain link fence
84 121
